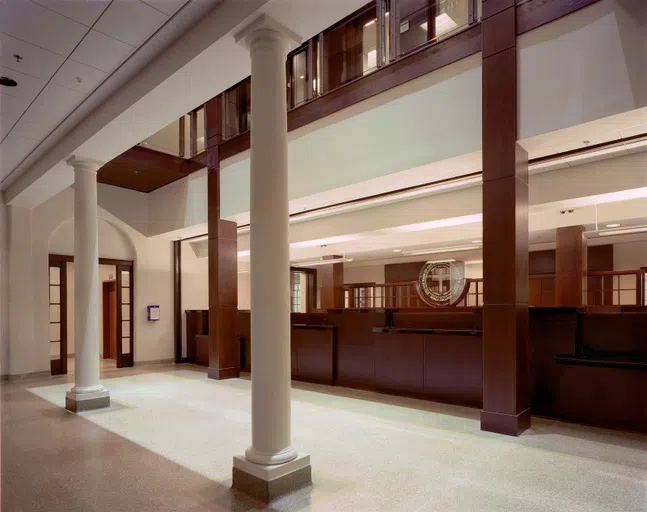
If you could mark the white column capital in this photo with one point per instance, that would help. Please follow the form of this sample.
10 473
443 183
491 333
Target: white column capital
265 30
84 164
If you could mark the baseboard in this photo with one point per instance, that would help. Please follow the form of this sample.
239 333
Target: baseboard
153 362
25 376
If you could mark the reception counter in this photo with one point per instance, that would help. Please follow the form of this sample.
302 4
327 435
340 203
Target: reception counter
585 366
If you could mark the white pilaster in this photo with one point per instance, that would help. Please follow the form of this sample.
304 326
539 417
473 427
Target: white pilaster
269 43
87 393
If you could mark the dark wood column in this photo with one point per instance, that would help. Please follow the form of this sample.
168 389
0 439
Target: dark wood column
332 285
224 353
177 299
570 266
506 395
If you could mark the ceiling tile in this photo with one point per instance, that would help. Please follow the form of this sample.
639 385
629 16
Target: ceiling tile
83 11
42 27
28 87
101 51
38 121
35 61
79 77
130 21
12 151
11 108
59 97
166 6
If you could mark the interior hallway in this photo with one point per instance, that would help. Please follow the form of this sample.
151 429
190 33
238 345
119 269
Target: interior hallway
167 440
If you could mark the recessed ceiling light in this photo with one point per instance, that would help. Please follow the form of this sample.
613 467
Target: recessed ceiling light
397 250
613 225
8 82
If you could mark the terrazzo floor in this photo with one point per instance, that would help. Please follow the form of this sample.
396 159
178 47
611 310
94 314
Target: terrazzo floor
369 452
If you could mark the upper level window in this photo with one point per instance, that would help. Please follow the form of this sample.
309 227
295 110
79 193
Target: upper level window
236 112
350 50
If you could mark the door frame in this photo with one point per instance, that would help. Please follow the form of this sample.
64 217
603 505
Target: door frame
123 360
107 327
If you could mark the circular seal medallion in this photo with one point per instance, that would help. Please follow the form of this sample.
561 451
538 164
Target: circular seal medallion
441 283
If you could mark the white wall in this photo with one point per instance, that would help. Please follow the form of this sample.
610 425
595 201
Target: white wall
244 290
363 273
195 284
127 205
4 288
49 229
584 66
630 255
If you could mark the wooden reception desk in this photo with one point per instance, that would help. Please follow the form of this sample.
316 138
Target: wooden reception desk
586 366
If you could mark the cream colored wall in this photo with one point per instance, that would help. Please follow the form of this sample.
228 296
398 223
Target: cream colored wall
49 229
363 274
244 290
195 284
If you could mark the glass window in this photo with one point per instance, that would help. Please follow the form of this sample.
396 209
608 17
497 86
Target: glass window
351 49
54 275
200 142
236 109
299 79
422 21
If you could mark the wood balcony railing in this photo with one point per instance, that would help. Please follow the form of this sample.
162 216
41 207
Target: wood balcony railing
405 295
611 288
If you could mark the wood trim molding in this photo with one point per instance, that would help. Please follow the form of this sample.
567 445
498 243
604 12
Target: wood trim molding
535 13
177 299
102 261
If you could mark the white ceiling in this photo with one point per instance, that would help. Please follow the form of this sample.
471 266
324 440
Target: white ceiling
68 49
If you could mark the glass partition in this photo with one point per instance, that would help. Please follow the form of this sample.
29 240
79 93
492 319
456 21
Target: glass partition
422 21
350 49
236 109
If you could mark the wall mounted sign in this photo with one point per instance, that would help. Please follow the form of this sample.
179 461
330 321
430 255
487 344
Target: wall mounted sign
441 283
153 313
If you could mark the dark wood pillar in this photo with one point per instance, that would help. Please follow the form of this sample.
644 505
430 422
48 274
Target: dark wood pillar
506 395
177 299
332 285
224 353
570 266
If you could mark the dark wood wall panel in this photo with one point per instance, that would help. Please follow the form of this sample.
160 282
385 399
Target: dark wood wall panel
570 266
506 393
453 369
331 278
313 354
399 363
145 169
224 347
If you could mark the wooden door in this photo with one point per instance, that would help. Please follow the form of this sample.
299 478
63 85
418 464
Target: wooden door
58 315
109 320
125 307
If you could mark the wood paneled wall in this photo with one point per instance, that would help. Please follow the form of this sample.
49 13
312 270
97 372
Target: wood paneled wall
570 266
224 352
506 392
331 278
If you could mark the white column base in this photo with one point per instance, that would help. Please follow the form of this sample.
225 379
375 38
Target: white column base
267 482
88 401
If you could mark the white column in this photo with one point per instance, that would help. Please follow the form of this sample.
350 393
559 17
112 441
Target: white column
87 393
268 43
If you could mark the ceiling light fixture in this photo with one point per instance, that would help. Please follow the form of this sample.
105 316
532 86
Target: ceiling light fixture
8 82
397 250
613 225
624 231
372 22
476 241
420 252
322 261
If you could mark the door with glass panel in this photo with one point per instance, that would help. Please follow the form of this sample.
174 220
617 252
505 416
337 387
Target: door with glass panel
125 303
57 315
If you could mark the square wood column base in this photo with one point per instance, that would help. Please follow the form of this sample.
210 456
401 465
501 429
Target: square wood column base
87 401
506 424
223 373
266 483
